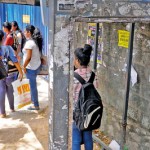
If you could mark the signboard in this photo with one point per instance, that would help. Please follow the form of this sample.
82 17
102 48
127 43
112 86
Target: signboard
91 40
29 2
26 18
9 1
65 6
123 38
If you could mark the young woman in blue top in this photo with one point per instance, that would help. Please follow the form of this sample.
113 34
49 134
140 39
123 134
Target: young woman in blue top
5 84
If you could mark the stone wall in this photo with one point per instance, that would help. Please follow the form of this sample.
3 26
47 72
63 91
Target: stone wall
112 72
112 81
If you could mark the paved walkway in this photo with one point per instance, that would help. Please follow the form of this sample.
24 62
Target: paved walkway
26 130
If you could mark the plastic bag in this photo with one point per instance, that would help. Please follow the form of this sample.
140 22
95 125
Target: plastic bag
22 94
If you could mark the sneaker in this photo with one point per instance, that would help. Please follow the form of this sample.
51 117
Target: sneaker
33 108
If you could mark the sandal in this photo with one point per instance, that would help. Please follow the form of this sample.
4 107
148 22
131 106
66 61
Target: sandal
12 110
2 115
33 108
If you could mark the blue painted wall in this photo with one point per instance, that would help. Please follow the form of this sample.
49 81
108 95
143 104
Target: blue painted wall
10 12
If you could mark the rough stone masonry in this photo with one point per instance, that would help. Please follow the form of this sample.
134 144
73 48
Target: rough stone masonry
112 71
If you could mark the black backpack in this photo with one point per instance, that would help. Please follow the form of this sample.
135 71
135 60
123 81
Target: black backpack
23 41
88 112
16 43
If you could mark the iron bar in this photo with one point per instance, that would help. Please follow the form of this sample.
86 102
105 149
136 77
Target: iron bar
95 47
129 64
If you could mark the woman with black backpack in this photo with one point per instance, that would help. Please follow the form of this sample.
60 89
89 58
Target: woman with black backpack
6 83
19 39
81 62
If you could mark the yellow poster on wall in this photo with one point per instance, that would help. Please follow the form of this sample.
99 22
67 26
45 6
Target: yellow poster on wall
123 38
26 18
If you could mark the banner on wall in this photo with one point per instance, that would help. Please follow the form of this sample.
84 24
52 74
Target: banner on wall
91 40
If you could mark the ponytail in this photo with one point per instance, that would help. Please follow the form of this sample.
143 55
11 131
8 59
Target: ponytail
36 35
1 35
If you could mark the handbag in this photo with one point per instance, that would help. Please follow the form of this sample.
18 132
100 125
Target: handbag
11 67
44 66
3 72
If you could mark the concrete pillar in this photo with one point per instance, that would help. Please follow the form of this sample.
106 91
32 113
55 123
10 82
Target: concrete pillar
59 80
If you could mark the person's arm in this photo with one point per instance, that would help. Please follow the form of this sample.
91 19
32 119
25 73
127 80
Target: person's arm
27 60
15 61
19 69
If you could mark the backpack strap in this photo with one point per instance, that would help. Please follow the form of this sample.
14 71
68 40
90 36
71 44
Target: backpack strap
79 78
91 80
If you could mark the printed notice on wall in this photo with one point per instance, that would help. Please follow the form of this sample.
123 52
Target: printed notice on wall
123 38
26 18
91 40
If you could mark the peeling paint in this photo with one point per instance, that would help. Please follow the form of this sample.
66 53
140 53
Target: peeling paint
116 74
139 13
124 10
65 107
61 54
148 11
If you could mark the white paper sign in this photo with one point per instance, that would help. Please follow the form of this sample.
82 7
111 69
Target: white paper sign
133 76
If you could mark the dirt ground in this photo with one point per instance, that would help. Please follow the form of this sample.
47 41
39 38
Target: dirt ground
26 130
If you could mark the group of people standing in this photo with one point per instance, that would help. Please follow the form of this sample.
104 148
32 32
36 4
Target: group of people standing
24 49
27 58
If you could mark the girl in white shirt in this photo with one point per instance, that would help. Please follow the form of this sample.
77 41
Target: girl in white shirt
31 61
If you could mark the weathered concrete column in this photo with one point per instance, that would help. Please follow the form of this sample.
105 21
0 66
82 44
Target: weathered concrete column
59 60
59 79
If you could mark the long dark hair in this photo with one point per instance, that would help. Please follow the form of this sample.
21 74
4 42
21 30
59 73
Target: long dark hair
1 35
14 23
1 38
7 25
83 54
36 35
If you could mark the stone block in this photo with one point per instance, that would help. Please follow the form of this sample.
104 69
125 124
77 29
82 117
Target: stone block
145 121
134 114
138 102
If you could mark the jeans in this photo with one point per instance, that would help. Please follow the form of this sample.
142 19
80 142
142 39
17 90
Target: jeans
6 88
31 75
79 137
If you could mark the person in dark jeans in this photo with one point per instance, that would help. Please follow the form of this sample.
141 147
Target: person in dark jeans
6 83
32 61
81 62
